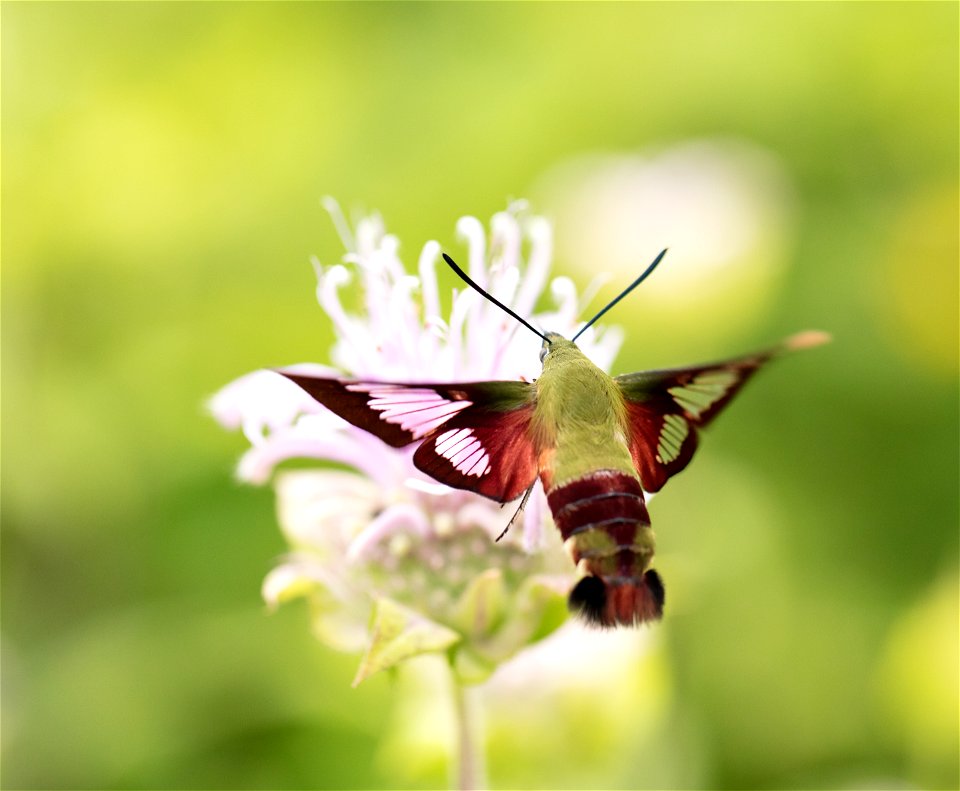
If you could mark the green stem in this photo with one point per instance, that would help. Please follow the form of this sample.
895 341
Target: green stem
470 759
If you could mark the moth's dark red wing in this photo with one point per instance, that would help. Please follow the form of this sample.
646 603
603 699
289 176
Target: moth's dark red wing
352 406
484 451
475 435
666 408
661 443
401 413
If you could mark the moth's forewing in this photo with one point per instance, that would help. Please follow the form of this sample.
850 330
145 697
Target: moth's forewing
351 401
474 435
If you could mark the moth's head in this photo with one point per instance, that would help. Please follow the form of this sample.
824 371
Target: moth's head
555 347
554 342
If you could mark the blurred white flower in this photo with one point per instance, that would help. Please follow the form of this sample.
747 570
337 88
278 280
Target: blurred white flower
382 538
723 207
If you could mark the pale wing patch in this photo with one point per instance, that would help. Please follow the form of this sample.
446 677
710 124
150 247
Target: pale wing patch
464 451
704 391
417 410
672 434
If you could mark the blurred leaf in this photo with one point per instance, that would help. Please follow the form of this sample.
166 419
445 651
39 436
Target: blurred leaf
482 604
399 633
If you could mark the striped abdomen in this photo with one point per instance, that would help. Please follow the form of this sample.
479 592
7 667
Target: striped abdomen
604 518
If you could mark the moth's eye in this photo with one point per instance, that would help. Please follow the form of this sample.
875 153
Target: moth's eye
544 351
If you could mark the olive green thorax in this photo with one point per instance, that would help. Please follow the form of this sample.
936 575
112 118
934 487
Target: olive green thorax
580 413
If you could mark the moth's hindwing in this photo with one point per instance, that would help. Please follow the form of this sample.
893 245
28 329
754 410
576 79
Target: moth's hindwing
666 408
482 450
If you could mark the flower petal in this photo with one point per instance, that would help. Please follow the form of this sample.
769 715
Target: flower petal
264 400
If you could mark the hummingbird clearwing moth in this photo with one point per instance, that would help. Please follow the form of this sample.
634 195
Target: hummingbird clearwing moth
596 442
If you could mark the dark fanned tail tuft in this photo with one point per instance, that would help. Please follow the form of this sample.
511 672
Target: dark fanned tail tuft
655 584
620 602
588 599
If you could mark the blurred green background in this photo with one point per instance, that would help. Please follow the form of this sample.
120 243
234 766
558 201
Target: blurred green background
162 169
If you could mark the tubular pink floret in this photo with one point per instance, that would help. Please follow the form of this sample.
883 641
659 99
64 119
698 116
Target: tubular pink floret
505 231
538 264
402 516
470 229
427 267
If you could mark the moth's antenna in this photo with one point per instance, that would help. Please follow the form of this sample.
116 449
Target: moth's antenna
463 275
623 293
